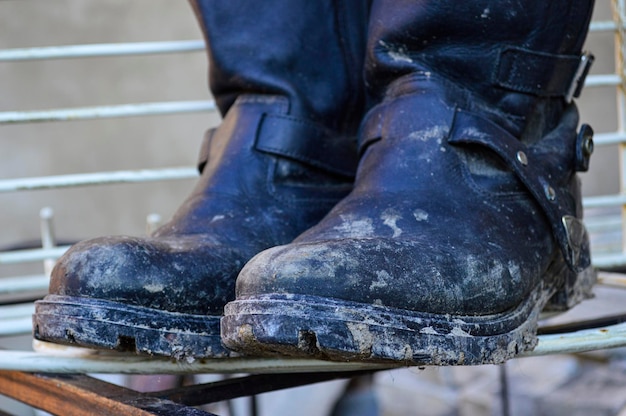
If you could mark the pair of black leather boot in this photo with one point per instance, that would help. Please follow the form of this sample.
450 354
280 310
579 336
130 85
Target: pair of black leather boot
392 180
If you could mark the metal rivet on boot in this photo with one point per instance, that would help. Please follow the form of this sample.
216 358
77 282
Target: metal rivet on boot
584 147
550 192
521 158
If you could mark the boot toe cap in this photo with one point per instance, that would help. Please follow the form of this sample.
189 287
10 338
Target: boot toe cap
151 273
413 275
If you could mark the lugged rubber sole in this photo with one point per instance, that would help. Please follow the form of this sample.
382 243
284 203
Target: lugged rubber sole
101 324
316 327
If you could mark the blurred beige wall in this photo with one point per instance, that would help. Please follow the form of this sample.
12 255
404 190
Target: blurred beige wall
598 108
29 150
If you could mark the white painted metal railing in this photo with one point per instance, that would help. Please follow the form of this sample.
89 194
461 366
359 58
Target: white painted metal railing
15 319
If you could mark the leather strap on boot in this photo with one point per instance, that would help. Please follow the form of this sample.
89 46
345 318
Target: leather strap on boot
308 143
538 169
542 74
300 140
544 168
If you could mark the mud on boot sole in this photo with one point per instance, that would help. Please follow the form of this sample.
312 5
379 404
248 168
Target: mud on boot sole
315 327
100 324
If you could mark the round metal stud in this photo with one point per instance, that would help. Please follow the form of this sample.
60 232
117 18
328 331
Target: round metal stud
584 148
521 158
550 192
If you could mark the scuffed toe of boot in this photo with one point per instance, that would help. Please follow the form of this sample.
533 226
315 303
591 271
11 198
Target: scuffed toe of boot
456 237
127 294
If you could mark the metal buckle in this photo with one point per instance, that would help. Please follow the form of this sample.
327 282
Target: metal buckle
577 241
586 59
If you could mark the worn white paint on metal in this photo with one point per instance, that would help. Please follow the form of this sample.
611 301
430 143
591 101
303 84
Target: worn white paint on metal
603 26
91 361
122 110
101 50
602 139
17 284
97 178
24 256
16 319
581 341
604 201
133 364
607 80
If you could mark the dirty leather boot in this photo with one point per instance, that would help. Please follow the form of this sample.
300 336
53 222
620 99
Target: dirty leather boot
284 155
465 220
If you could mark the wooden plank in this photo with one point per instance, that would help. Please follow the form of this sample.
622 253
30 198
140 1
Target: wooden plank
70 395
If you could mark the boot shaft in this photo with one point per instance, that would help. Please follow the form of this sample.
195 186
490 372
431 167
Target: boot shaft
309 51
517 59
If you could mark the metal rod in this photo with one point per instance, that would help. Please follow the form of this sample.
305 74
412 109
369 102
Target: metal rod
153 221
606 80
23 283
609 260
101 50
23 256
122 110
98 178
16 319
601 139
588 340
132 364
580 341
603 26
504 390
16 326
48 240
246 386
604 201
18 311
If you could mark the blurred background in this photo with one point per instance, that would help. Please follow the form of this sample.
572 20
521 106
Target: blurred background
30 150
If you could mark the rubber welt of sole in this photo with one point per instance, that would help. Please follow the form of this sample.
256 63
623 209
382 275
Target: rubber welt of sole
95 323
308 326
